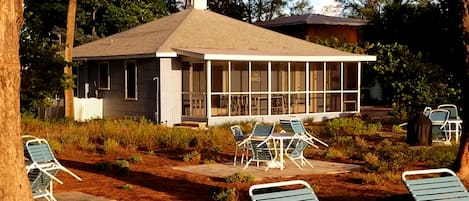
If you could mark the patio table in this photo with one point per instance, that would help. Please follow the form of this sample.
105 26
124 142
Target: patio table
281 137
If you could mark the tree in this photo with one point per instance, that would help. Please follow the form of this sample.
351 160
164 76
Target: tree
462 161
68 93
15 184
301 7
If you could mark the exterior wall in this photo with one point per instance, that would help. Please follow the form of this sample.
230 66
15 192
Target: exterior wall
344 33
349 34
316 117
171 90
114 103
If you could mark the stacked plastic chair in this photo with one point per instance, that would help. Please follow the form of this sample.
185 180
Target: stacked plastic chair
42 167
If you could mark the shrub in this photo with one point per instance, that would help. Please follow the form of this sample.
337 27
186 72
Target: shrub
333 153
229 194
372 178
56 146
110 145
372 162
103 166
135 159
351 126
127 187
239 178
193 156
397 129
123 167
209 161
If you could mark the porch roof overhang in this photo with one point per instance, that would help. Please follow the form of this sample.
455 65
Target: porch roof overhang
268 55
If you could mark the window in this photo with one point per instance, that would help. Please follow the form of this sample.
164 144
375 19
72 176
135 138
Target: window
103 76
131 80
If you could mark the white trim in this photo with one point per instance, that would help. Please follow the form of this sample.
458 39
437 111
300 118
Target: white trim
208 102
342 86
166 54
307 74
359 85
125 78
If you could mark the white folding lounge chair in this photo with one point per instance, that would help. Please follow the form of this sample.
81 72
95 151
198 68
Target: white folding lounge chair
264 192
445 187
41 157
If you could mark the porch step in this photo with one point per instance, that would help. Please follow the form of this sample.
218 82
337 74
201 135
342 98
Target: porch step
193 124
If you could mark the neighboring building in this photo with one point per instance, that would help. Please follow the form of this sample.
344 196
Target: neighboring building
200 65
314 26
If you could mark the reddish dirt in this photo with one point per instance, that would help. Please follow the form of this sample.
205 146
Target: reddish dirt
154 179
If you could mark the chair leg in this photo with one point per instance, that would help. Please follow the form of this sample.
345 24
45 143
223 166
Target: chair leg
293 160
236 154
247 164
306 160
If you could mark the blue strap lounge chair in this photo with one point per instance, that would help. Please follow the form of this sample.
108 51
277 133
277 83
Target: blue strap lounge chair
440 131
41 184
40 156
296 126
445 187
239 137
263 192
261 152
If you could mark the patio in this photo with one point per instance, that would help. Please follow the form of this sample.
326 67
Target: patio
227 169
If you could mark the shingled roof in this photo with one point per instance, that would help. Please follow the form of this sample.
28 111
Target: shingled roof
205 33
311 19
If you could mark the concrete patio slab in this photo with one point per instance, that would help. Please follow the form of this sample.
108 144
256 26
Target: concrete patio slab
78 196
290 170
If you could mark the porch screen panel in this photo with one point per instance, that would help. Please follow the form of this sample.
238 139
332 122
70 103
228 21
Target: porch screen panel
316 76
350 102
279 84
199 89
219 99
333 76
316 102
297 87
350 76
333 102
239 88
259 88
185 88
279 76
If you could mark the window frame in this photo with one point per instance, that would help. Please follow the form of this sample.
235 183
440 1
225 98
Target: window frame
108 76
126 87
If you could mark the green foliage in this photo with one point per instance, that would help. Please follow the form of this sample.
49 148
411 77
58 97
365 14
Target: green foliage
127 187
387 157
110 145
135 159
239 178
123 167
397 129
56 146
193 156
435 156
105 166
228 194
209 161
396 68
351 126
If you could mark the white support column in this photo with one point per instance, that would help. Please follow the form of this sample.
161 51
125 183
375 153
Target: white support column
229 88
307 87
325 87
208 106
341 86
269 88
289 89
359 85
250 88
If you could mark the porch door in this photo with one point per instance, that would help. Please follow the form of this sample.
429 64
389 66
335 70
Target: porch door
194 89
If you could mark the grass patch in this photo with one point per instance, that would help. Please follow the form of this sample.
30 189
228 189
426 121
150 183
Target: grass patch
239 178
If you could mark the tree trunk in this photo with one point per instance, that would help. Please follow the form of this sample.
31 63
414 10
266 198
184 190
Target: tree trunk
72 7
462 161
14 183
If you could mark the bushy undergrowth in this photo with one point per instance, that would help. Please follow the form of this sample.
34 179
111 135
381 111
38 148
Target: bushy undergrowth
108 135
228 194
240 178
352 126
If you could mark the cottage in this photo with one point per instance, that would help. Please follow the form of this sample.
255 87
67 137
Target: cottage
312 26
202 66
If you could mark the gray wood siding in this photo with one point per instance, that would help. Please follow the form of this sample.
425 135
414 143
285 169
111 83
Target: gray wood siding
114 103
